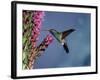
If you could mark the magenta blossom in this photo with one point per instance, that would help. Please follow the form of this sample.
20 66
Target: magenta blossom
45 43
48 39
37 21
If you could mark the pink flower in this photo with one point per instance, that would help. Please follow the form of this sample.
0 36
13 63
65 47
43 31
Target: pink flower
48 39
45 43
39 14
37 21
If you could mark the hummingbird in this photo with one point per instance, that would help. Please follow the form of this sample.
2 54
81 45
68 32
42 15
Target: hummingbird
60 36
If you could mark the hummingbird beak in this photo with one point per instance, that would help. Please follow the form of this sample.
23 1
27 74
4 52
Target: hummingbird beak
45 30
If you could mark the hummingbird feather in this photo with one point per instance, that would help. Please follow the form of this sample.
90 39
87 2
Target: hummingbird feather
56 34
66 33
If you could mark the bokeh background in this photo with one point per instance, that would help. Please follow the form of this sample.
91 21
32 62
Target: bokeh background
78 41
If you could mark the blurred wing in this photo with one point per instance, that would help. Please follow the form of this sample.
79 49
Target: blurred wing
57 35
67 32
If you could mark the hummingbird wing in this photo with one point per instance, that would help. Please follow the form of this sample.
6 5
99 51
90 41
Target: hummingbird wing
57 35
66 48
66 33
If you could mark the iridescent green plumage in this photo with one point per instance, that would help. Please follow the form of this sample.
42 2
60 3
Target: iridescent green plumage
56 34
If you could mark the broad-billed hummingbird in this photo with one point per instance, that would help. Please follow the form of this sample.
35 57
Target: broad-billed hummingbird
60 36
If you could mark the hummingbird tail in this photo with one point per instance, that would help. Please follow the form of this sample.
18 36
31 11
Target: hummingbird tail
66 48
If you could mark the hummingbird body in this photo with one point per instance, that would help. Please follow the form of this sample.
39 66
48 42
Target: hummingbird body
60 36
56 34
